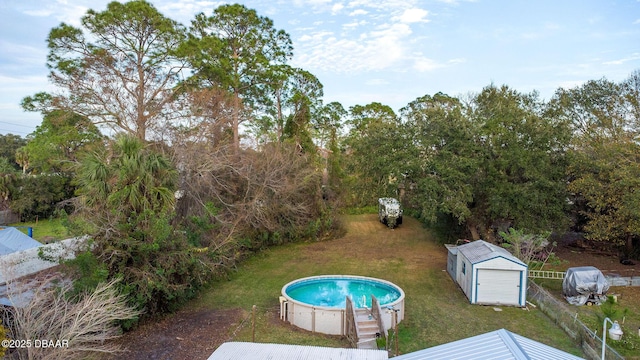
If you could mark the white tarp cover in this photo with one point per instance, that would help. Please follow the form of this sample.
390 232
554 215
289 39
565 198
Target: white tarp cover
584 284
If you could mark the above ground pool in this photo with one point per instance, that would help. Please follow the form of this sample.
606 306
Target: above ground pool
317 303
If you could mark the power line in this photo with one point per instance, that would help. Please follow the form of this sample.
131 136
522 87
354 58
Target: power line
9 123
6 131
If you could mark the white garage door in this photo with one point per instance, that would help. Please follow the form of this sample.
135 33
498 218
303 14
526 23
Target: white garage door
498 287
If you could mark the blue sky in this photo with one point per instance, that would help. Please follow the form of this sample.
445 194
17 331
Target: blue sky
388 51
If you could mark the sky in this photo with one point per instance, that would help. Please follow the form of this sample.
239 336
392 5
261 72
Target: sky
386 51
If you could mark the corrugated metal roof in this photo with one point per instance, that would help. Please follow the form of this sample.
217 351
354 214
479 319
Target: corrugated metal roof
259 351
453 249
539 351
13 240
496 345
481 250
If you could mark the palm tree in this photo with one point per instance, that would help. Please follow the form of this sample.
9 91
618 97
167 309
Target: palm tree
127 190
127 177
22 158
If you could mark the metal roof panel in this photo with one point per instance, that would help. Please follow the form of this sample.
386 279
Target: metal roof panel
260 351
480 250
496 345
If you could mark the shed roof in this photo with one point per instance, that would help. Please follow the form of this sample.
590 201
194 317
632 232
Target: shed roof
480 250
258 351
496 345
13 240
452 249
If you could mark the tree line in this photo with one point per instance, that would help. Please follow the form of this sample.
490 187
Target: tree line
180 150
502 159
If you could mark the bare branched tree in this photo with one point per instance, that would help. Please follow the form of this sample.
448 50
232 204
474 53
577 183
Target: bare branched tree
533 249
271 192
205 118
119 69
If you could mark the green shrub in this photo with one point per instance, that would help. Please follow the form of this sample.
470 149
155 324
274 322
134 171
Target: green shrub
90 271
36 197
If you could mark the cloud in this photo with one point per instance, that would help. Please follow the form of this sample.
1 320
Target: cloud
73 14
455 2
183 11
39 12
358 12
456 61
318 2
413 15
354 24
571 84
316 5
632 57
375 50
21 53
423 64
376 82
14 89
381 39
62 11
23 84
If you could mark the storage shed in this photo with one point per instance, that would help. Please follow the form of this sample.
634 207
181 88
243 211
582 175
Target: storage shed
452 260
490 275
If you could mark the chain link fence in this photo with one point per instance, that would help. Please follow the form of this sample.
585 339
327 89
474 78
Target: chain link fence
559 312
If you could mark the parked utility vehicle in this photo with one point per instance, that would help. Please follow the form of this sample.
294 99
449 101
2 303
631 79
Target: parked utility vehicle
389 212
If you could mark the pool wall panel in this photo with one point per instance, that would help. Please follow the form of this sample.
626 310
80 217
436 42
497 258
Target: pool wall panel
328 320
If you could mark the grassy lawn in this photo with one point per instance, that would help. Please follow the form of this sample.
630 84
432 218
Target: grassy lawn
626 311
436 310
44 229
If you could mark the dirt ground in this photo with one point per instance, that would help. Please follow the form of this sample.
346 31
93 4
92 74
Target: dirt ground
607 263
190 334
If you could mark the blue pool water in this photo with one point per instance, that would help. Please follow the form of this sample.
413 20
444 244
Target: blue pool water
332 292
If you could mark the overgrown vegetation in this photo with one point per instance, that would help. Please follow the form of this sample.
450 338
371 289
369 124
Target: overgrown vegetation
73 325
535 250
126 200
164 251
219 148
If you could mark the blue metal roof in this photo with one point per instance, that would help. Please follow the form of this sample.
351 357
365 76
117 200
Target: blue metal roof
496 345
13 240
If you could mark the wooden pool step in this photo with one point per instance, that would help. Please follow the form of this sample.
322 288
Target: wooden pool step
367 329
